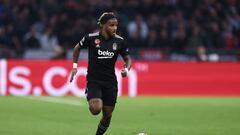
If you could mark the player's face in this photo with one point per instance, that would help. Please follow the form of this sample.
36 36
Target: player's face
111 27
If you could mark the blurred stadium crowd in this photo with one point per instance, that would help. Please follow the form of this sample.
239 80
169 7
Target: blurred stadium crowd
155 29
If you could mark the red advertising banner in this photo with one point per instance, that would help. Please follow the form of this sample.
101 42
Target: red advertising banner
51 77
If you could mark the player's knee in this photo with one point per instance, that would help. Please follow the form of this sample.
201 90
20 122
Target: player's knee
95 110
95 106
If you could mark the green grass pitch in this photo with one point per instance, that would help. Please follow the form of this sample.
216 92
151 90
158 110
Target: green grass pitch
152 115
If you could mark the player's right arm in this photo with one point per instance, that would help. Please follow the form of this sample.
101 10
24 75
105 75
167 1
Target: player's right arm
76 52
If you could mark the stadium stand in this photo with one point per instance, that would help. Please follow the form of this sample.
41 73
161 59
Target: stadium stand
179 30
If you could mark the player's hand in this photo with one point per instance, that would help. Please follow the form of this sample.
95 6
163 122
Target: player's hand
124 72
74 72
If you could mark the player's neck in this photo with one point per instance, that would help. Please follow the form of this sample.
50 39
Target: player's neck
104 34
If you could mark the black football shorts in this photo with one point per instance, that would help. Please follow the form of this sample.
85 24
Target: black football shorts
105 90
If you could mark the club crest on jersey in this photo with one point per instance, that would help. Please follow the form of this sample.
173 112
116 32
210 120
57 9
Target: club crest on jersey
97 42
114 46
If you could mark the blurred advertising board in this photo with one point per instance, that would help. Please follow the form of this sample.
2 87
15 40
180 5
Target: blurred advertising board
51 77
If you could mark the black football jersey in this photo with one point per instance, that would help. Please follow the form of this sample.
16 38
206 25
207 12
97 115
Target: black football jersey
102 55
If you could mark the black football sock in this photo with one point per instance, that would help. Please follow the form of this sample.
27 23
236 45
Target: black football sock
101 129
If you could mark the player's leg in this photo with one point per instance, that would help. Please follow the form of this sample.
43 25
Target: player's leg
106 119
107 115
109 97
94 95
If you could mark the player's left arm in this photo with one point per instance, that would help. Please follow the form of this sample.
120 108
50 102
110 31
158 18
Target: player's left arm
127 65
127 59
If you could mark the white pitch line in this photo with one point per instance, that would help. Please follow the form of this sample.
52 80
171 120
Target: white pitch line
57 100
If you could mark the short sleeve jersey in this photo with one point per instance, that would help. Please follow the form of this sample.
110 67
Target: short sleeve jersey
102 55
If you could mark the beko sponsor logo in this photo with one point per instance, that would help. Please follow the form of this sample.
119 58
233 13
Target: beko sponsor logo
105 54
